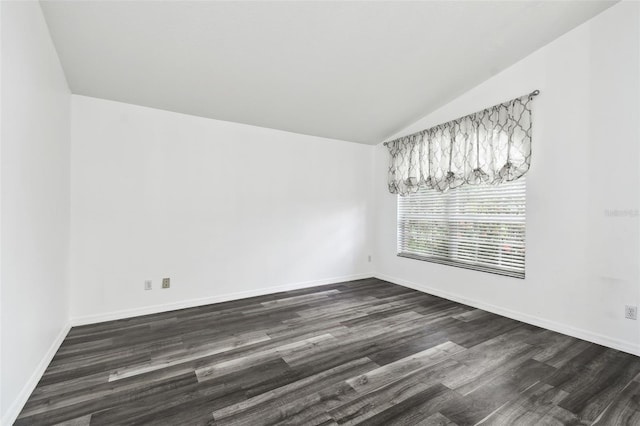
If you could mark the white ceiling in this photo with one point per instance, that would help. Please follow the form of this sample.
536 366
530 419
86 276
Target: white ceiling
357 71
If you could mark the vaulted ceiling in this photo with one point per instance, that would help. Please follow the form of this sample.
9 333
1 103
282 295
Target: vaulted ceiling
356 71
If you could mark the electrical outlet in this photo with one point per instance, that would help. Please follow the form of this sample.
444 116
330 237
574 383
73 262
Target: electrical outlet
147 285
369 258
166 282
631 312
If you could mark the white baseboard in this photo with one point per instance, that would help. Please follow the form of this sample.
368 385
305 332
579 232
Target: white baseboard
14 409
569 330
190 303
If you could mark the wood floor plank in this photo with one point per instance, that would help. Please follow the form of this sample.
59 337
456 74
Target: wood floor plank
66 408
486 399
391 372
219 369
312 408
372 403
625 410
436 419
488 361
259 406
414 409
80 421
195 401
359 352
185 355
599 383
528 408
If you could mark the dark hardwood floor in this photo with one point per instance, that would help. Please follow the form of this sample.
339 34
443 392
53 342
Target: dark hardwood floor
359 352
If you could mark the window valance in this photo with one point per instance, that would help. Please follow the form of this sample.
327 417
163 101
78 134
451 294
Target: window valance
489 146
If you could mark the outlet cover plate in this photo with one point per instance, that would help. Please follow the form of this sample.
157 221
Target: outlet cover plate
166 282
631 312
148 285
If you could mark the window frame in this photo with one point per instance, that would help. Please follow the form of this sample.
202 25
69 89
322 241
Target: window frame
401 242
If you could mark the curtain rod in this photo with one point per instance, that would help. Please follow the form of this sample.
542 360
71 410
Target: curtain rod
531 95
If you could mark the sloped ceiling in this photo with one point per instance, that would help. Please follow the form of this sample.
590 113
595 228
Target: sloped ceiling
356 71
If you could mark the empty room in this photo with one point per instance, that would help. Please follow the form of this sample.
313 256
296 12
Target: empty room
319 212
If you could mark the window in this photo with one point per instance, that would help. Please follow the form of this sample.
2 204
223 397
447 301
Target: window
479 227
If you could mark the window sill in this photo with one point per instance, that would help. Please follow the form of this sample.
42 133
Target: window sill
487 269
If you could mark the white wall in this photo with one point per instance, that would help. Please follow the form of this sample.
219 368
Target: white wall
581 265
224 209
35 202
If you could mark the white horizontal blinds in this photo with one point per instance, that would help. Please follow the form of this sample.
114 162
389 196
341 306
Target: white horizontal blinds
474 226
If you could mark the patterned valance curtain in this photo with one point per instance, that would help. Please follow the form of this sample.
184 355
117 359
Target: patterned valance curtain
490 146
